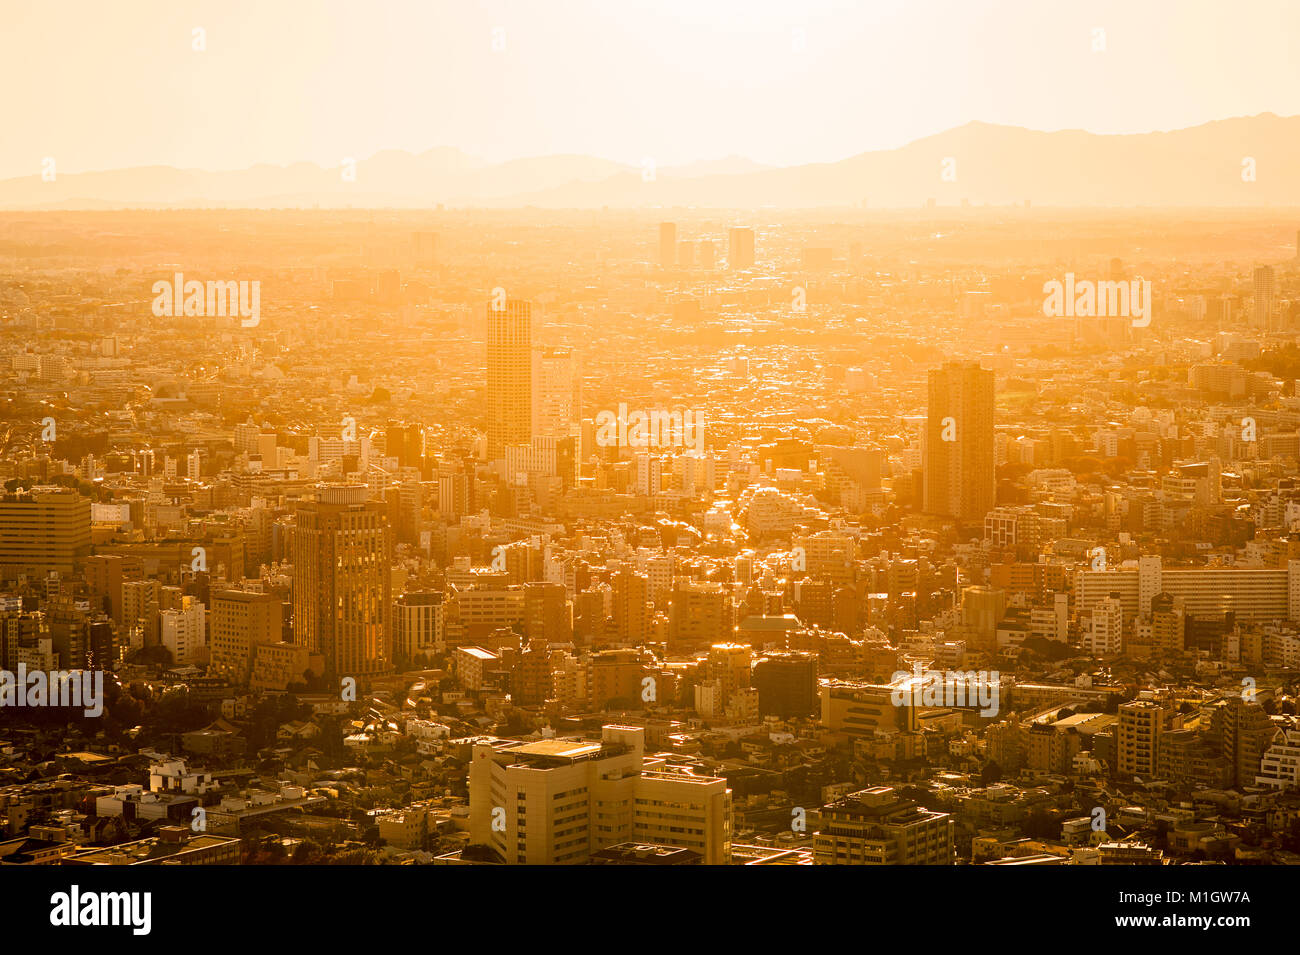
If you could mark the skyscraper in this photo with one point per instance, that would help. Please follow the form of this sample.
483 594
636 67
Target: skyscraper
1265 294
342 586
740 252
958 462
668 244
509 375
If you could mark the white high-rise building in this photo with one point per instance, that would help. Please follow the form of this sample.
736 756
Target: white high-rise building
184 631
1105 633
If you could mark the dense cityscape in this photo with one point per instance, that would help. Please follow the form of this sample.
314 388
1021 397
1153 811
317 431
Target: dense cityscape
498 436
957 536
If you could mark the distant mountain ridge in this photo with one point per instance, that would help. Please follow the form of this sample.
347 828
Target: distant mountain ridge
1204 165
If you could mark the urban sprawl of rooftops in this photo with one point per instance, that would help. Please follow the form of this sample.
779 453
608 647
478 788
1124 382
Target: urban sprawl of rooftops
448 537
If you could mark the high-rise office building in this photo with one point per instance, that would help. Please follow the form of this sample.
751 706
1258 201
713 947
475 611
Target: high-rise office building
740 250
724 687
509 375
728 665
668 244
958 462
342 585
1220 312
42 530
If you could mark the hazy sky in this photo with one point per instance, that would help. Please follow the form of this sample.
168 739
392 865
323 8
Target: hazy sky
101 85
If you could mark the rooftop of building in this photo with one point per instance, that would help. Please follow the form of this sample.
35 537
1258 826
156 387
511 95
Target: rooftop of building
150 849
558 748
640 853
